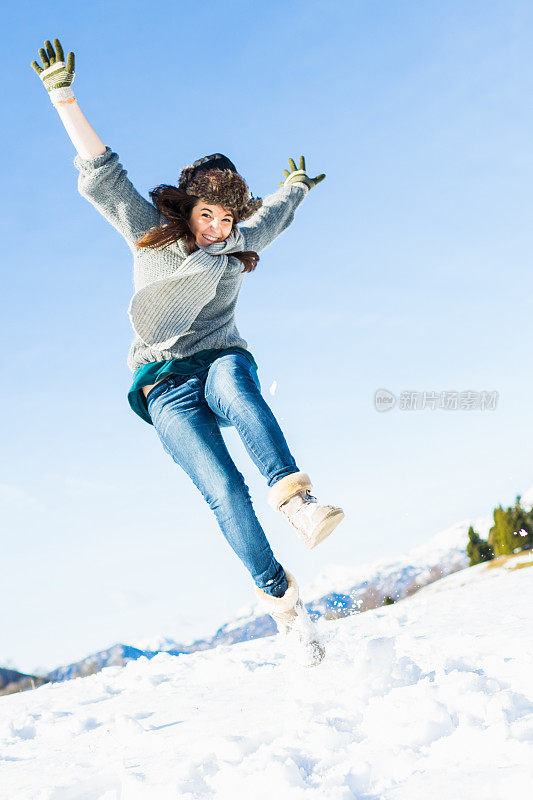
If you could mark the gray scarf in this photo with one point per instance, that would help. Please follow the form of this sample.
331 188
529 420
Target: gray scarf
165 309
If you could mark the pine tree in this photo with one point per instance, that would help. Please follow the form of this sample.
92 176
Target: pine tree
523 526
512 530
501 532
477 549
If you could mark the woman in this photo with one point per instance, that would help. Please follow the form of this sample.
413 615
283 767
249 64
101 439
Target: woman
192 371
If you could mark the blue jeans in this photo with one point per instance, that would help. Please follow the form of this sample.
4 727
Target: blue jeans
187 412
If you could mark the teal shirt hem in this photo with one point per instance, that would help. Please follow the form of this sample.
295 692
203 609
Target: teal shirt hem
155 370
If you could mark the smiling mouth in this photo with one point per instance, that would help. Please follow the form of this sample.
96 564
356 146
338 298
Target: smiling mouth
209 238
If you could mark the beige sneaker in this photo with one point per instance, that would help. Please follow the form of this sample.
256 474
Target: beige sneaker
313 522
294 624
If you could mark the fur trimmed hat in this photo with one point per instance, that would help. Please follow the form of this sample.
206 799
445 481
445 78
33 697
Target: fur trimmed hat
215 180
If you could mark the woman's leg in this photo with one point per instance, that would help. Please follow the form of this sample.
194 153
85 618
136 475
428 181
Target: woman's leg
191 435
232 390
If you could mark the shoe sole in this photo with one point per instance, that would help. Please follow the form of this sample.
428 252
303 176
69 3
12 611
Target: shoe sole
320 654
327 527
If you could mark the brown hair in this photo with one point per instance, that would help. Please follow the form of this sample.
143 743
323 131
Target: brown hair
176 205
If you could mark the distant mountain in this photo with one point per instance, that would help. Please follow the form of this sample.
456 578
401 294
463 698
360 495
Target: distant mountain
526 500
9 675
337 591
13 681
114 656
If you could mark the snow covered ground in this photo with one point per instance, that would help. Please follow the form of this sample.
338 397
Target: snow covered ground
336 591
429 698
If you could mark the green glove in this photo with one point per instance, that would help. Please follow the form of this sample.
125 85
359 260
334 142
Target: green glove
299 175
55 74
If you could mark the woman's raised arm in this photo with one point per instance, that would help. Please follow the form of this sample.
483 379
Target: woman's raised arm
102 179
277 211
57 77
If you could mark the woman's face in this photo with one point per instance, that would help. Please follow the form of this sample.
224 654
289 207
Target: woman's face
210 223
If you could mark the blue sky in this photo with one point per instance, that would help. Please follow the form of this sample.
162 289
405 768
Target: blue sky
408 268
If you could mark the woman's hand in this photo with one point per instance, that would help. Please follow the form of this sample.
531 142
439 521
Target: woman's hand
55 74
299 175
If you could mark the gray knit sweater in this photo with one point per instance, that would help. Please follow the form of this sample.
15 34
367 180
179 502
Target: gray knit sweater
104 182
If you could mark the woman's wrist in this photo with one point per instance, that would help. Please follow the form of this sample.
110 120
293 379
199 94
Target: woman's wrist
62 96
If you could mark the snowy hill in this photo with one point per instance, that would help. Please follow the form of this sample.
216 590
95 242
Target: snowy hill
430 697
337 591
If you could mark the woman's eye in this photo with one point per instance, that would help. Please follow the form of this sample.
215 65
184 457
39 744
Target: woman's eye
206 216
